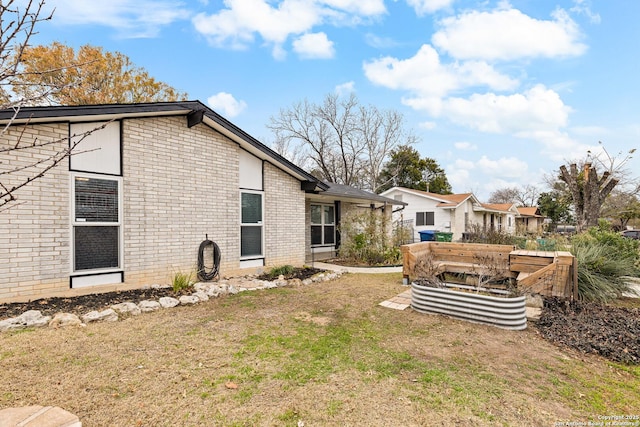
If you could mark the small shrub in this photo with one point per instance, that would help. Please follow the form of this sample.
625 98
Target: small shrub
282 270
181 281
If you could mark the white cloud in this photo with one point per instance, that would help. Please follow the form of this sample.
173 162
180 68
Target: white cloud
345 88
314 46
537 109
430 80
378 42
236 26
582 7
504 167
465 146
481 35
226 104
130 18
427 125
428 6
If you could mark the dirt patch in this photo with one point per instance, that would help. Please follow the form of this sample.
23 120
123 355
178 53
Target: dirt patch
609 331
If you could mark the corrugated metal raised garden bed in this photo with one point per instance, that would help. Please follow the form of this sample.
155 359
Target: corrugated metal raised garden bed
480 305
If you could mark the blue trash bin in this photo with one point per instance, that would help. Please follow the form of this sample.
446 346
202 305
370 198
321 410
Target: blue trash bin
427 235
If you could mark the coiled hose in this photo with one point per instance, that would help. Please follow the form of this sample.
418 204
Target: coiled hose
204 274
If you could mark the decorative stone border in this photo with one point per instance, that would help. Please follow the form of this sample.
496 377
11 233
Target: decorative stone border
503 312
203 292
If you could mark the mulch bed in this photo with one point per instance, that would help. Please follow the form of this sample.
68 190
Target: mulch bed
83 304
298 273
611 332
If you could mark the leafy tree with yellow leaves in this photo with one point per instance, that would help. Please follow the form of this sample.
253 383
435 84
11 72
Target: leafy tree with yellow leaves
59 75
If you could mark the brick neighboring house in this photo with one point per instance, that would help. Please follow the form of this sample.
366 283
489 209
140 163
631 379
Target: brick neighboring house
133 205
452 213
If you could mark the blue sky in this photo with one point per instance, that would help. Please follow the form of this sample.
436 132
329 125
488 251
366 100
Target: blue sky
499 93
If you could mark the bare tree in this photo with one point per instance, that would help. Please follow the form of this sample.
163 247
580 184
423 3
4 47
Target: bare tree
504 195
346 142
525 196
588 190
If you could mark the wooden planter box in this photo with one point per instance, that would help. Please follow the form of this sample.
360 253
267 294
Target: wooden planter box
500 311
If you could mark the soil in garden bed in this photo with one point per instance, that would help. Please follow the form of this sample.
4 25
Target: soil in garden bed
610 331
298 273
84 303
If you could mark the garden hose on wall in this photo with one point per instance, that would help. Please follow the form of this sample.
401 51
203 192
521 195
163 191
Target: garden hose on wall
204 274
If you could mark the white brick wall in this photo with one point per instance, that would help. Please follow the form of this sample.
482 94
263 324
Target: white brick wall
179 185
34 232
284 217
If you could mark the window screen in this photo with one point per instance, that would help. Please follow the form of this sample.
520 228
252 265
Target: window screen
96 200
251 208
250 240
96 247
425 218
251 227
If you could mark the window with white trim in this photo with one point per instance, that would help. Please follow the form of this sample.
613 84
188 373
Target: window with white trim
96 223
323 225
425 218
251 226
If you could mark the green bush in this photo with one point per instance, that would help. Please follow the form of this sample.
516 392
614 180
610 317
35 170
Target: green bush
366 239
282 270
181 281
604 259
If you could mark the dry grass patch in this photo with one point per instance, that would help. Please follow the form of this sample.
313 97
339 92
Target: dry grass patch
324 354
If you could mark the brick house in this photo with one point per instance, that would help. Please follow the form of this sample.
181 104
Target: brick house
144 188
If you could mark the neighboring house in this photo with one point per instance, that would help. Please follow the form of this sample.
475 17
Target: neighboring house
430 211
530 220
132 206
499 217
325 210
452 213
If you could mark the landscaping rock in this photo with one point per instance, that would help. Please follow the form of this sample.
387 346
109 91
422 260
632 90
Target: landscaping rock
127 308
28 319
189 299
295 282
168 302
108 315
147 306
65 319
534 300
213 291
201 295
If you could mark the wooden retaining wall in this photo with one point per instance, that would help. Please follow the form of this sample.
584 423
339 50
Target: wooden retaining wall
540 272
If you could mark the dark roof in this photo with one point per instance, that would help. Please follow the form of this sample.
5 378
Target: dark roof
117 111
345 191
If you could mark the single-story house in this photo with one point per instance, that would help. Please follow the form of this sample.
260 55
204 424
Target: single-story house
145 185
325 210
530 220
499 216
450 213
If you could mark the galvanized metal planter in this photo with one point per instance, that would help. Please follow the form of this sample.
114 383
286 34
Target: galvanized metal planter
502 312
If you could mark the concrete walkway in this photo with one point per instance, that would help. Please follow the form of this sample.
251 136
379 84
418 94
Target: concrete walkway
335 267
38 416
